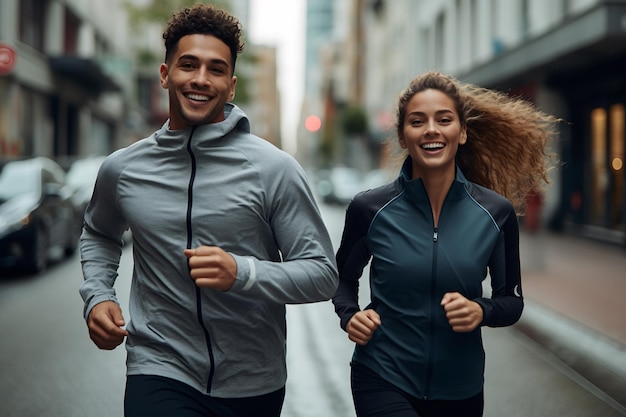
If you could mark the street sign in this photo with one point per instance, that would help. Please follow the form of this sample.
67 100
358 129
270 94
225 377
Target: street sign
8 57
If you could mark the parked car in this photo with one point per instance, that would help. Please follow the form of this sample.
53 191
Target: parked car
377 177
81 175
38 219
341 185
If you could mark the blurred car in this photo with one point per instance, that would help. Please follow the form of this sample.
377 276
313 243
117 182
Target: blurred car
340 185
81 176
376 178
37 216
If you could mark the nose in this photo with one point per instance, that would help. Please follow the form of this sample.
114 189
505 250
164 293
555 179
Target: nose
201 77
431 128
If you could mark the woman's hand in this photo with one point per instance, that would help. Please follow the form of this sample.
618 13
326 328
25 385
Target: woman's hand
463 315
362 325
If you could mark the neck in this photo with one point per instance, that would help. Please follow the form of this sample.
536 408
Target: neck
437 186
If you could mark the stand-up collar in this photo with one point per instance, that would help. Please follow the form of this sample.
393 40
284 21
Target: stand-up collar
416 187
205 135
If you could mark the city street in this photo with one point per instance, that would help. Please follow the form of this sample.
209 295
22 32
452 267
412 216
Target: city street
49 367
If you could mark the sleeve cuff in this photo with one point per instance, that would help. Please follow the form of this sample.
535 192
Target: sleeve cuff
246 273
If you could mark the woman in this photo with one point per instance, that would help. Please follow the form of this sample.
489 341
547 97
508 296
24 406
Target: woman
432 235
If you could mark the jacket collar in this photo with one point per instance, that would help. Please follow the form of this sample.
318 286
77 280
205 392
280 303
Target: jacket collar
416 186
206 135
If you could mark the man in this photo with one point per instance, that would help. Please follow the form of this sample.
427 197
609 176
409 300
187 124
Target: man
225 232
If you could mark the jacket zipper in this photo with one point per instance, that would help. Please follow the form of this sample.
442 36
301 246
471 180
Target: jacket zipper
207 335
429 369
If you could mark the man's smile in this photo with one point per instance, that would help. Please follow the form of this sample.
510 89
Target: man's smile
197 97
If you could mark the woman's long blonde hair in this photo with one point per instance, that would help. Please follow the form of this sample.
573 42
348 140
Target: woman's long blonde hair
507 137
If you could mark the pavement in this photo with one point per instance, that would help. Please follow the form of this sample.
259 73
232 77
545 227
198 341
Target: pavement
575 307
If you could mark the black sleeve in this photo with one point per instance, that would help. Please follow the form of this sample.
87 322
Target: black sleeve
352 256
505 306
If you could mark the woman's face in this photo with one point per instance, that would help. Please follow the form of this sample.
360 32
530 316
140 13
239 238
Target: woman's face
432 133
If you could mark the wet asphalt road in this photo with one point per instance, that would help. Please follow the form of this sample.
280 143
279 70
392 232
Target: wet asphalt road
49 367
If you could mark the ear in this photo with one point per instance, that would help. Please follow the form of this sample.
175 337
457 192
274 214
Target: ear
463 136
163 75
402 142
233 84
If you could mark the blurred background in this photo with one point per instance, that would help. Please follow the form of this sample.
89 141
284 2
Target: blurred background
319 79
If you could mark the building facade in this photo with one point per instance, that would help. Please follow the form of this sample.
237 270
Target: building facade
66 79
80 77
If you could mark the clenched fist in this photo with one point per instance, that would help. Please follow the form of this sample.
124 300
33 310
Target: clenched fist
212 267
362 325
463 315
105 323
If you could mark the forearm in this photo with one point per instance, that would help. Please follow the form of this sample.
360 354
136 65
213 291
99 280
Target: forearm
346 301
100 259
501 311
297 281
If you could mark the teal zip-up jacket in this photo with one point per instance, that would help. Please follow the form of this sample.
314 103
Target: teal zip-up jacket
413 265
214 184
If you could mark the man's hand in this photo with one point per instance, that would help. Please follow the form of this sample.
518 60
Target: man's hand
362 325
463 315
212 267
105 324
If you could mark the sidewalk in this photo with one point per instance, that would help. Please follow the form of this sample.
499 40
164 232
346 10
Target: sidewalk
575 306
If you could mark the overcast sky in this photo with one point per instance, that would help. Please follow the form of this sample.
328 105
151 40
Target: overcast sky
282 23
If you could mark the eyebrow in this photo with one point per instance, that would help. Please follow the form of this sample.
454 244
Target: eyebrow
195 58
437 112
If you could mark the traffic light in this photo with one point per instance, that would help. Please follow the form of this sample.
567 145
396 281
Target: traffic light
312 123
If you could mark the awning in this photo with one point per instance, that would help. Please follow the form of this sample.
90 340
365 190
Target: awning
85 72
577 44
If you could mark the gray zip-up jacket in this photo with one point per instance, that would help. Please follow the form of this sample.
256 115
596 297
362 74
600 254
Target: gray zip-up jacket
216 185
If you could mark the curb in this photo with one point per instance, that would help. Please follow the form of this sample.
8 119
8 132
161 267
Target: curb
596 358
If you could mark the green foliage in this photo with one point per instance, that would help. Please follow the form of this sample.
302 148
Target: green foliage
242 95
354 121
325 152
159 11
145 57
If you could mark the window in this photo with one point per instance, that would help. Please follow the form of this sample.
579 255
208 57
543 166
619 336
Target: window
616 165
26 125
32 24
70 38
440 41
525 19
607 167
599 177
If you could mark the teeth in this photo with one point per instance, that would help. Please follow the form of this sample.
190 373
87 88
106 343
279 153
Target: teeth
197 97
432 146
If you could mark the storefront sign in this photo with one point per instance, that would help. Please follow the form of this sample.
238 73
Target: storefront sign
8 57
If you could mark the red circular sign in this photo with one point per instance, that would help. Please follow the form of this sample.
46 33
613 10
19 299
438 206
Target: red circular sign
8 56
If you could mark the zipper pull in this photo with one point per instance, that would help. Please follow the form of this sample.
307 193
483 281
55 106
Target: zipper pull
435 235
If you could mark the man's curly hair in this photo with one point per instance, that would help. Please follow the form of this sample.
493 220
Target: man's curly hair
204 19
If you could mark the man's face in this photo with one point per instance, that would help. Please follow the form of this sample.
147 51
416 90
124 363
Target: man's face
199 79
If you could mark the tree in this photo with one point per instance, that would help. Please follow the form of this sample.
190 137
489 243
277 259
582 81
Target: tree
354 121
